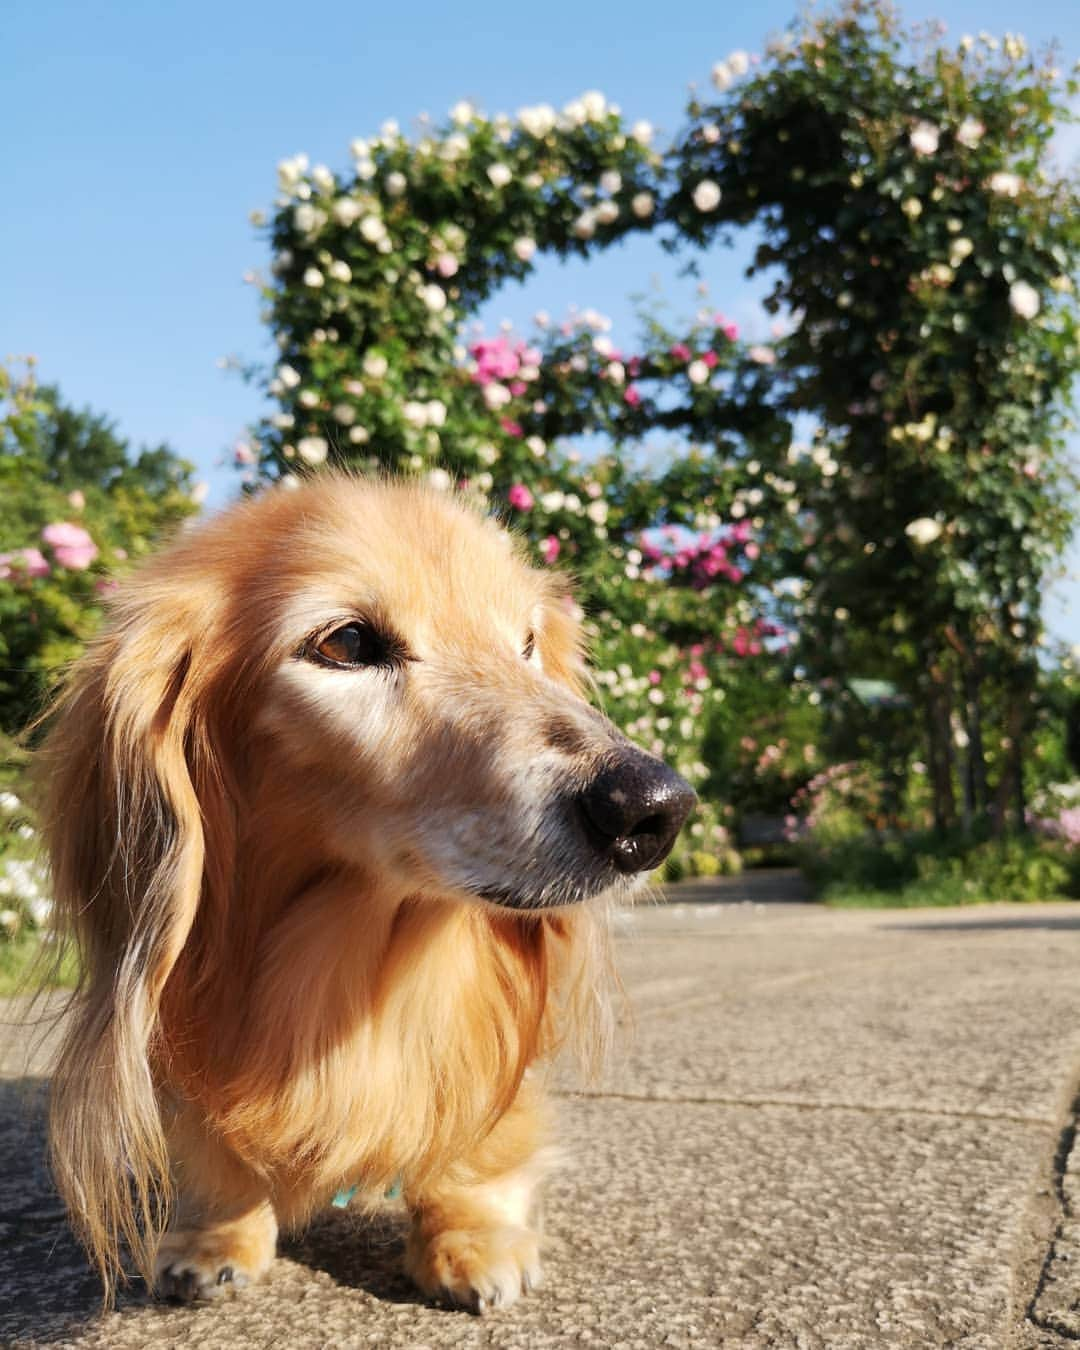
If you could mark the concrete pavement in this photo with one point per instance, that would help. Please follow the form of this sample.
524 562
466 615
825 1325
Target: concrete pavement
825 1129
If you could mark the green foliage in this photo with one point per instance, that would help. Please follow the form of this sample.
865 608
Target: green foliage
927 869
923 250
59 465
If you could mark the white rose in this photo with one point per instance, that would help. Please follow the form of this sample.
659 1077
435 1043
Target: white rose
375 365
594 104
722 77
970 132
455 147
346 211
585 225
642 132
1005 184
389 129
434 297
414 413
372 229
707 195
288 376
308 398
340 271
461 114
9 802
538 120
345 414
499 174
283 421
359 148
322 178
607 213
960 249
496 396
396 183
611 181
524 248
616 372
597 512
436 413
359 435
440 480
313 277
308 219
642 205
552 501
484 482
925 138
739 62
536 446
312 449
923 531
290 171
911 207
1024 299
697 372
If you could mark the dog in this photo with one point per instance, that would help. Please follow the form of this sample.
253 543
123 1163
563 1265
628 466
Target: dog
334 830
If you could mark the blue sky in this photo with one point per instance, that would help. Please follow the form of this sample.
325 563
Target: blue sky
140 136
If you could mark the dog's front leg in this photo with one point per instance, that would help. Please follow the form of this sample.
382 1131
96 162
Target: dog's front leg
474 1237
223 1231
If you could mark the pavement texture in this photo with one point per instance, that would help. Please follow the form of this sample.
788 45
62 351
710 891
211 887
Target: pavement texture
820 1129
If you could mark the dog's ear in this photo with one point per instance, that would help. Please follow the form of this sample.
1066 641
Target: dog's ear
127 759
562 645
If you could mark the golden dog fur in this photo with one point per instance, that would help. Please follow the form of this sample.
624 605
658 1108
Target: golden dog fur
271 870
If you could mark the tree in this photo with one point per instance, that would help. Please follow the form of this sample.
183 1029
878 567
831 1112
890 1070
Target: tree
925 246
75 508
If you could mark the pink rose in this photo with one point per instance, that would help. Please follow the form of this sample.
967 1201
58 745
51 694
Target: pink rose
511 427
520 497
24 562
681 352
71 545
550 549
632 396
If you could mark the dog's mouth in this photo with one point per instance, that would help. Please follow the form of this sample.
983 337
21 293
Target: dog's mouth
624 823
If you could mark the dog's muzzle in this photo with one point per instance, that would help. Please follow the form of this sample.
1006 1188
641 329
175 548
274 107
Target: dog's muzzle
634 809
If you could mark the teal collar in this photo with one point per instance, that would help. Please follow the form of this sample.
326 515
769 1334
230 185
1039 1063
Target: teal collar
342 1198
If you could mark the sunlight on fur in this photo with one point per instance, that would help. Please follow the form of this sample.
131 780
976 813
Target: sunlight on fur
335 833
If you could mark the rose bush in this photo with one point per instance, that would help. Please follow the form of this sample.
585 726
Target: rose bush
923 249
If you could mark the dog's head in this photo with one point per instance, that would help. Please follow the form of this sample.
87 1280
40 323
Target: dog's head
420 687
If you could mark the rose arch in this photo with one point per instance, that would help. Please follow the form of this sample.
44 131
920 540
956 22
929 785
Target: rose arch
910 536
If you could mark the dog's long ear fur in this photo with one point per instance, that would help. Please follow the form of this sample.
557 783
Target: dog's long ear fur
124 826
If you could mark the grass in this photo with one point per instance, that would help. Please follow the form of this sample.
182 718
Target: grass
929 870
26 964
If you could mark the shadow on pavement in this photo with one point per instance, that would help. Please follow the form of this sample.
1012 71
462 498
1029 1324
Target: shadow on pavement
1063 923
769 886
47 1289
48 1292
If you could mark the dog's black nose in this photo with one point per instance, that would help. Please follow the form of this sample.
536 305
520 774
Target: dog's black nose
635 809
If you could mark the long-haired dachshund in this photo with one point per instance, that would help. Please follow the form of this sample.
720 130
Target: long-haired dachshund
333 827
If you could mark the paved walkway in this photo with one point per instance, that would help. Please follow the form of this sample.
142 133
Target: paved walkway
827 1129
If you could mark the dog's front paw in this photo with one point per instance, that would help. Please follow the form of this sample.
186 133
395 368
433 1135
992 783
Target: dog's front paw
478 1268
204 1263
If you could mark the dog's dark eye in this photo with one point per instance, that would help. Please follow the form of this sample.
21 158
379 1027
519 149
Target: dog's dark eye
530 646
356 644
